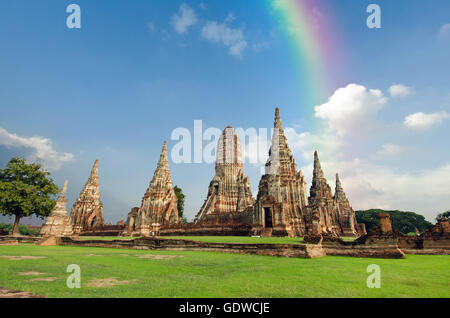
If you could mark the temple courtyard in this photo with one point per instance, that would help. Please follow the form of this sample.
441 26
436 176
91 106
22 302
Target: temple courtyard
112 272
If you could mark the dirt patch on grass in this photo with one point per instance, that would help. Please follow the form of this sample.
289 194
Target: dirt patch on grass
151 256
9 293
18 258
30 273
43 279
108 282
94 255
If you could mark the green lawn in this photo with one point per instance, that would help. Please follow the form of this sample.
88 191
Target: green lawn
240 239
207 274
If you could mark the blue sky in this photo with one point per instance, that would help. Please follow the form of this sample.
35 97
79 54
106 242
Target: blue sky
136 70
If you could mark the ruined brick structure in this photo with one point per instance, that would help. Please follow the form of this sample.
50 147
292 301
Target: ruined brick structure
58 222
229 195
159 204
321 202
130 225
87 212
281 202
345 214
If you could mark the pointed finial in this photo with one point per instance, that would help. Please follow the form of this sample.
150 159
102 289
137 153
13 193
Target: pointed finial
318 173
277 123
64 189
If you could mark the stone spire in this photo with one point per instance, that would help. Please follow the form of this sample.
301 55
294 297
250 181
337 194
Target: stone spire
339 194
229 191
319 187
162 176
277 122
58 222
87 212
281 197
159 204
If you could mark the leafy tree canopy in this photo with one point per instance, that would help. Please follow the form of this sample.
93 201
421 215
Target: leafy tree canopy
25 189
405 222
445 215
180 196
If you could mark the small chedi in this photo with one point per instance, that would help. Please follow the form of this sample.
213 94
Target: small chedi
87 211
58 222
280 205
229 195
159 204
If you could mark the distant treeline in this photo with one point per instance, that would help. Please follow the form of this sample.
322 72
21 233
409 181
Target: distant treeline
405 222
23 229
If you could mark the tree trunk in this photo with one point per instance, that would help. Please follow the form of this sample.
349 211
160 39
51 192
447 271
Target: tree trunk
15 229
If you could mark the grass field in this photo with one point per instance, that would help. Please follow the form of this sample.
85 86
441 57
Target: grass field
207 274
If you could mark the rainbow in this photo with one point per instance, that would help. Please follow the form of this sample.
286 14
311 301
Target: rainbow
309 27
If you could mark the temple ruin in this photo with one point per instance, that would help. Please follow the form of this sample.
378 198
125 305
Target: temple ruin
58 222
281 202
87 211
229 194
159 204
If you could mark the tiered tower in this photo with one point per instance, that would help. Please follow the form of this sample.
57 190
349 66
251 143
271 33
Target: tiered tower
159 204
87 212
346 215
281 201
229 191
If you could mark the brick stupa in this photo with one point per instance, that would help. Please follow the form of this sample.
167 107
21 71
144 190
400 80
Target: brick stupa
87 212
58 222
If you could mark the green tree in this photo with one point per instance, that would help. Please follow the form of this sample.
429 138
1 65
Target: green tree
180 196
445 215
25 189
405 222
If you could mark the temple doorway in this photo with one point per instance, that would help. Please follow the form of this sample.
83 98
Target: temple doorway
268 217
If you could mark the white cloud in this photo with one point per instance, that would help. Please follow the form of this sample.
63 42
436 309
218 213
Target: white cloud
42 149
399 90
351 109
390 150
369 182
444 32
221 33
422 121
183 19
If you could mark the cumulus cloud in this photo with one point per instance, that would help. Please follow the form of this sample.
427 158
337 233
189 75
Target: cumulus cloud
399 90
422 121
42 149
183 19
221 33
369 182
351 108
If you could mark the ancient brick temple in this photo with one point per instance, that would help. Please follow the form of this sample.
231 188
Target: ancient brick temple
87 212
328 214
229 195
58 222
281 202
159 204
